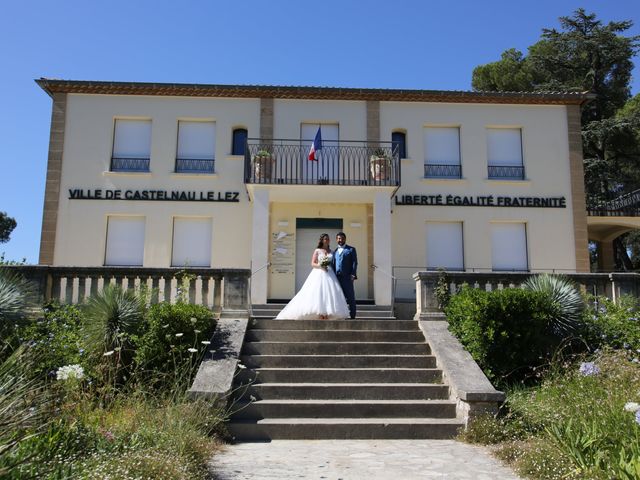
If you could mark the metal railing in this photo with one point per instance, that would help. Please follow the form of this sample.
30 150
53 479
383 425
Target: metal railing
442 171
195 165
605 212
506 172
354 163
126 164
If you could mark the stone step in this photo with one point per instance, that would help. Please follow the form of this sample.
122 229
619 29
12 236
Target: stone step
343 391
339 361
359 316
280 306
257 335
344 408
276 311
335 348
357 324
340 375
344 428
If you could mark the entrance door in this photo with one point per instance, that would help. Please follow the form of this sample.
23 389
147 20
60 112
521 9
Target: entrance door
308 231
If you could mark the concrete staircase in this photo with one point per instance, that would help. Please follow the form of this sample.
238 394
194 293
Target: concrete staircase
372 377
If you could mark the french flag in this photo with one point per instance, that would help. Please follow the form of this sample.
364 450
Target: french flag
315 146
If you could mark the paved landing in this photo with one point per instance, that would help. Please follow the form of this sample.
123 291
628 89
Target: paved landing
357 460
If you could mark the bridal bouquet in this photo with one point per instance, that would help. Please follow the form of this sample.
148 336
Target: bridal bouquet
325 261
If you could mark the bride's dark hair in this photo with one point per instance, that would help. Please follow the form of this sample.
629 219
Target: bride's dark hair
321 240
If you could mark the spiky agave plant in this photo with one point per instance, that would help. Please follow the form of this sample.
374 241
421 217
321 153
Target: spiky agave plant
112 316
16 295
565 300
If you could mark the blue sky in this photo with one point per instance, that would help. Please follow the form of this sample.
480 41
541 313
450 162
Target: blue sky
399 44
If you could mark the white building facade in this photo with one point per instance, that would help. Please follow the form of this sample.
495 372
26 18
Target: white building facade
162 175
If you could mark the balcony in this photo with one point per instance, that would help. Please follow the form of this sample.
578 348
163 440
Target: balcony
195 165
346 163
442 171
122 164
506 172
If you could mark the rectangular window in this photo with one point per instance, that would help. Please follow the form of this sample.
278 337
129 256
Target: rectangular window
504 153
445 246
125 241
196 147
191 242
442 152
131 146
509 247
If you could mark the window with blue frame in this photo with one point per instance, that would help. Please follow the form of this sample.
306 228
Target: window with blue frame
239 141
400 139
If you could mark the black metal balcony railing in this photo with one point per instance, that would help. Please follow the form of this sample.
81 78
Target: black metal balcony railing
442 171
506 172
285 161
121 164
195 165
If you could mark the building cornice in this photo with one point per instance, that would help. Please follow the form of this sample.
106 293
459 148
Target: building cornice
52 86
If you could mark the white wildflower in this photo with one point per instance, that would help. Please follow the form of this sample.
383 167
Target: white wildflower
241 366
194 320
205 342
108 354
179 334
631 407
70 371
193 350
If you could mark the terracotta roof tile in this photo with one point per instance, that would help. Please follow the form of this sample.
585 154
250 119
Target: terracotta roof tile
308 92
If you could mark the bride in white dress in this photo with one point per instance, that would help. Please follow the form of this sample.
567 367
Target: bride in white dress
321 296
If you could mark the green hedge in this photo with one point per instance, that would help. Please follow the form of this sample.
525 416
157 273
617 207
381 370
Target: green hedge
506 331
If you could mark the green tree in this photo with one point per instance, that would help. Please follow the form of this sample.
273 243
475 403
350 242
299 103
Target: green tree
7 224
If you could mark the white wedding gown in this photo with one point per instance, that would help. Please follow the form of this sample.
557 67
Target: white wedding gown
321 294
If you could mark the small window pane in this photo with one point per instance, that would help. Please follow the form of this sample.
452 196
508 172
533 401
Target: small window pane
442 146
400 139
191 242
504 146
509 246
239 141
196 140
444 246
132 139
125 241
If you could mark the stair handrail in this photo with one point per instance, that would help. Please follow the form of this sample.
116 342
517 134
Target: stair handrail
393 286
253 272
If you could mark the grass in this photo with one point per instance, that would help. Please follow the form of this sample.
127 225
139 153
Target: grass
138 437
570 426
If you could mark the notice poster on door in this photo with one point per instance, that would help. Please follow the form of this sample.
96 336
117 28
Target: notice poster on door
282 253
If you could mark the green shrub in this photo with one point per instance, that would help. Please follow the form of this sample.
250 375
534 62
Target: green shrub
506 331
613 325
171 334
55 338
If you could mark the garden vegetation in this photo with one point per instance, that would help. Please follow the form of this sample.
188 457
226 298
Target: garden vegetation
99 391
570 365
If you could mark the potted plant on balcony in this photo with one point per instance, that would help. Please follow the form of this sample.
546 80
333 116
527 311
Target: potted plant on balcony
263 164
380 165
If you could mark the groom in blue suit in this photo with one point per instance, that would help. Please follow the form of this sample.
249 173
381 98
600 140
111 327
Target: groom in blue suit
345 264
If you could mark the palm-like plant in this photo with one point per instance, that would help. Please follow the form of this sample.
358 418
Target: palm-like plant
565 300
112 317
16 295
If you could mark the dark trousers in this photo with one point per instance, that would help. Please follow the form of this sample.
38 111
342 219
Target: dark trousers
347 288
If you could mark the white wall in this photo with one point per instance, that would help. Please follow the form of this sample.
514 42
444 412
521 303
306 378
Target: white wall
81 229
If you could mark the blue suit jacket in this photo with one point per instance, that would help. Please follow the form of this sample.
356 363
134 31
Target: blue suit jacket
347 263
